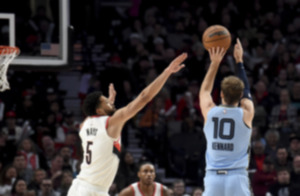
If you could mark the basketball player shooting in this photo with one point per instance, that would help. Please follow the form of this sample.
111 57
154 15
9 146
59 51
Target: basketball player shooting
146 185
227 128
101 130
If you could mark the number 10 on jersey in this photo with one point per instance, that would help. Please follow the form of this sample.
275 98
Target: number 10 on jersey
219 130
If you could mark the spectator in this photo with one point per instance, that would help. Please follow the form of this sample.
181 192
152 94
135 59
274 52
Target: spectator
188 105
86 76
74 143
197 191
19 187
27 149
7 151
283 116
260 115
48 148
55 172
66 182
281 82
69 123
38 176
7 178
52 96
12 131
179 188
47 188
178 88
295 94
263 179
20 164
151 117
294 147
295 174
127 170
262 96
291 73
68 162
258 156
257 136
27 110
158 54
128 93
272 138
282 185
56 109
196 72
282 159
176 39
53 129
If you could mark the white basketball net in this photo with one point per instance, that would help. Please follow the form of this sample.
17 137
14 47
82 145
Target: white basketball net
7 54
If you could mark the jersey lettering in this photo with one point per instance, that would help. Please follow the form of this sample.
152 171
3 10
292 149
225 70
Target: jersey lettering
91 131
222 146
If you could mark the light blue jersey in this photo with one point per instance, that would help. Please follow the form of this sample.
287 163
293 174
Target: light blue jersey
228 139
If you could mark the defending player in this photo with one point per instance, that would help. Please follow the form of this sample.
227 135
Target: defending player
146 186
227 128
101 130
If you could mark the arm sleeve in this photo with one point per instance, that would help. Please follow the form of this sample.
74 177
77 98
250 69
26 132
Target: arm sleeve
242 75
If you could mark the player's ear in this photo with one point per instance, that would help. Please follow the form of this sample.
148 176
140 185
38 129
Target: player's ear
100 111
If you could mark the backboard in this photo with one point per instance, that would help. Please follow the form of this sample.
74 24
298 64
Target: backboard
40 28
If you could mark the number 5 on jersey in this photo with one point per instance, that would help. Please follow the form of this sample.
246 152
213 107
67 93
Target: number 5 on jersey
88 156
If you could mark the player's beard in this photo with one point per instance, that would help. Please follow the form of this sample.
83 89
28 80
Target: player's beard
111 112
148 181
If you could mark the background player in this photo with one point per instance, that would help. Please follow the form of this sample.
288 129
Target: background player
146 186
101 130
227 128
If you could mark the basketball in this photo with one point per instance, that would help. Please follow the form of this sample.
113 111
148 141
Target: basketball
215 36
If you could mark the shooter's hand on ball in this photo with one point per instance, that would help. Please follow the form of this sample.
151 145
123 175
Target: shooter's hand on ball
216 55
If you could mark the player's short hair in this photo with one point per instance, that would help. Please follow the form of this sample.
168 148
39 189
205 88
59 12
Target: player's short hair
91 102
232 88
145 163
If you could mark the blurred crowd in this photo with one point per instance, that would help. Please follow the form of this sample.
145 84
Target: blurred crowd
39 143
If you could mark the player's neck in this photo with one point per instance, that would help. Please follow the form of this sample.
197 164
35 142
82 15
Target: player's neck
228 106
147 188
223 103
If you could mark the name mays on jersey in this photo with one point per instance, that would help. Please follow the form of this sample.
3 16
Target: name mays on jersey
91 131
222 146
